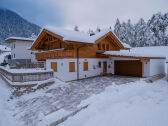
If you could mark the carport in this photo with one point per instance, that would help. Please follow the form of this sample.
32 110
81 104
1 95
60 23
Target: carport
137 65
128 68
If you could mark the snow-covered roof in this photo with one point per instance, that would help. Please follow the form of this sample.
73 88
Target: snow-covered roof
155 50
20 38
69 35
77 36
133 54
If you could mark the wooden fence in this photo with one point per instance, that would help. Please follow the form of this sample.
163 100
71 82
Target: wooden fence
25 77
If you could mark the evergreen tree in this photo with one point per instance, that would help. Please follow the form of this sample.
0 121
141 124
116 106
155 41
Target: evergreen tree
117 28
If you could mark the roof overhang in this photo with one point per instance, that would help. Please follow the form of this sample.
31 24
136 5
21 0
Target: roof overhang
14 39
144 59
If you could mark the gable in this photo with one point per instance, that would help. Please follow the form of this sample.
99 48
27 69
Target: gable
110 39
44 37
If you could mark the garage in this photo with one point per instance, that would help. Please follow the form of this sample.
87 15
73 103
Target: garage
128 68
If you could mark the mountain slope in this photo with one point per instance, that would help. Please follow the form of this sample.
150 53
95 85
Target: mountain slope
11 24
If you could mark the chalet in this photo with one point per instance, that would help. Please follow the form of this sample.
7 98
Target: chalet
19 50
75 55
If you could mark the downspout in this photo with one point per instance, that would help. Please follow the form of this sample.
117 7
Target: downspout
78 60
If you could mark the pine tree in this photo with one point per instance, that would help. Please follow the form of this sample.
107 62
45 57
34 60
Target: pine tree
117 28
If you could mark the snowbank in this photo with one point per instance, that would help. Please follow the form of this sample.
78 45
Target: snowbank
135 104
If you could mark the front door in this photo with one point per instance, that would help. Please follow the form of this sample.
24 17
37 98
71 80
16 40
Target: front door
105 68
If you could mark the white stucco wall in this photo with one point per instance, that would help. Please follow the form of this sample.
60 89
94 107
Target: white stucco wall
93 69
157 66
21 50
146 69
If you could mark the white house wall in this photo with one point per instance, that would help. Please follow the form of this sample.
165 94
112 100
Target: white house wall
21 50
93 68
157 66
146 69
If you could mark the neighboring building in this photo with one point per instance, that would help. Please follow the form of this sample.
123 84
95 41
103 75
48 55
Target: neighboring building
20 53
75 55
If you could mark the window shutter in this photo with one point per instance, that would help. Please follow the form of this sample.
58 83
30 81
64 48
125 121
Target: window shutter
85 66
71 66
54 66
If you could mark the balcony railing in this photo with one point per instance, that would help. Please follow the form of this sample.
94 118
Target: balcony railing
55 54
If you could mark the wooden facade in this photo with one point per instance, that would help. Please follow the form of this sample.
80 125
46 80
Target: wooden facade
52 46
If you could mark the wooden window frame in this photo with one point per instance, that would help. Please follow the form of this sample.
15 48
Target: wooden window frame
99 46
85 66
107 47
71 66
103 47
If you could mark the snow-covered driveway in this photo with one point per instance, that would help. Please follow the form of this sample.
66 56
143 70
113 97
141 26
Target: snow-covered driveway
134 104
61 95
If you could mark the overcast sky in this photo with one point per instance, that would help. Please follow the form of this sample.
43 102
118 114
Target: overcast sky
84 13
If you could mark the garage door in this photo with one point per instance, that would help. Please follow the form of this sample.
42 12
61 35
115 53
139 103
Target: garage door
128 68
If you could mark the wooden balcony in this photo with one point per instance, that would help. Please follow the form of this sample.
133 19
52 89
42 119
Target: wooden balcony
42 56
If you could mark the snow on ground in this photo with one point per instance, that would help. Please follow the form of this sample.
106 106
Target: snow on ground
6 118
134 104
58 98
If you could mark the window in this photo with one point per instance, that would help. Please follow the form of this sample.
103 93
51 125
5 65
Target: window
71 66
54 66
99 64
99 46
14 45
107 47
103 46
85 66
